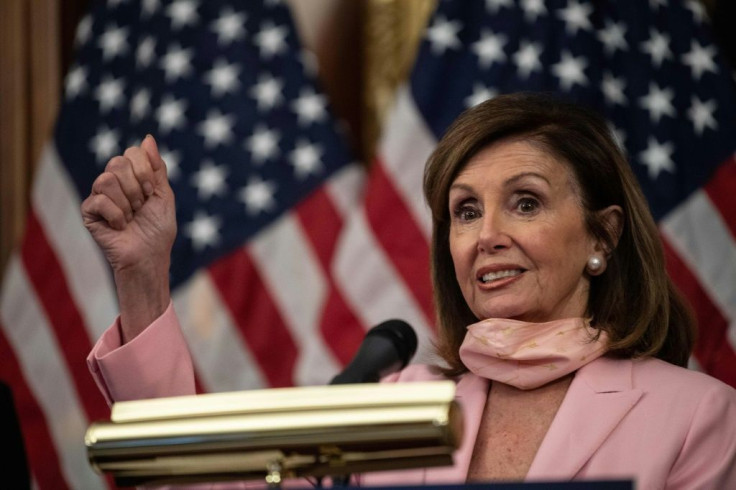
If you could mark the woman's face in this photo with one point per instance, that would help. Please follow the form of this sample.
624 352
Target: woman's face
517 235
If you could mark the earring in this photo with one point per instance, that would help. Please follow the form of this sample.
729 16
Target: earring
595 264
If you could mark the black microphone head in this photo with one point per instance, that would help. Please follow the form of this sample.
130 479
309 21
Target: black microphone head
388 347
401 335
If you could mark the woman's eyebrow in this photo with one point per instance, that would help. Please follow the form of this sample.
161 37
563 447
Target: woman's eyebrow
523 175
461 186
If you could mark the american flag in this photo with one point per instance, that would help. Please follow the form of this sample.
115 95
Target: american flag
286 254
652 69
263 280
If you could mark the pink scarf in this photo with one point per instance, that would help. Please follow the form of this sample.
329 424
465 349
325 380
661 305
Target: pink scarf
529 355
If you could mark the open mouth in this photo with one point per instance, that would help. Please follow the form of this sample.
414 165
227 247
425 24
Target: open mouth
497 275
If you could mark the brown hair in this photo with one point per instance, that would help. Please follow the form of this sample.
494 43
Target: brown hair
634 300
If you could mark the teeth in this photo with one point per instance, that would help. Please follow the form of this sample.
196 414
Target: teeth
492 276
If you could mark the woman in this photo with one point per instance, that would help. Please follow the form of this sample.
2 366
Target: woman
556 316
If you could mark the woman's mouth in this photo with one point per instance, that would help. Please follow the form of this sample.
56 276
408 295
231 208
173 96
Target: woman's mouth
496 275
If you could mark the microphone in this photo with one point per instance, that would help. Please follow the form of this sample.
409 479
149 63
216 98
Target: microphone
388 347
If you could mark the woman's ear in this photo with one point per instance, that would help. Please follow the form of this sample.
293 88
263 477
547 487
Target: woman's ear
612 219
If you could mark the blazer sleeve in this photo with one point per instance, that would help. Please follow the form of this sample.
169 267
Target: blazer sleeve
708 456
155 364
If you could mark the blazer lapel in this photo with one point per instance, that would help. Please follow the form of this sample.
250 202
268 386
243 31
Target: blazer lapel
600 395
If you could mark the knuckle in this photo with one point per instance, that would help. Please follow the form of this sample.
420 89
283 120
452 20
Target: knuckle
104 182
117 164
133 153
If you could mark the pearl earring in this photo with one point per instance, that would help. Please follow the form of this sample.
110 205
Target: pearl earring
595 264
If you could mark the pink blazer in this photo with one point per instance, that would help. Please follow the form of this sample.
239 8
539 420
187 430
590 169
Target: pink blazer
663 426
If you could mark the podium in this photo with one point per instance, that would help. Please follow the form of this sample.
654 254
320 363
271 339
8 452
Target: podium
280 433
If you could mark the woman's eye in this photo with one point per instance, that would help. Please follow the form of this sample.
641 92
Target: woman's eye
466 213
527 205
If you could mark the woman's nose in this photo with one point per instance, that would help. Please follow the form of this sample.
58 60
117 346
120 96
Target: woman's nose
493 234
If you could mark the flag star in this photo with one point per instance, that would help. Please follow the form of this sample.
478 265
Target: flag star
146 51
306 159
613 37
701 114
657 157
570 71
217 128
149 8
309 107
658 102
533 9
527 58
657 46
84 30
210 180
613 89
263 144
172 159
203 231
223 77
113 42
489 48
700 59
494 6
267 92
698 10
183 13
109 93
271 40
177 63
76 81
258 196
105 144
481 93
443 35
576 16
170 114
229 27
140 104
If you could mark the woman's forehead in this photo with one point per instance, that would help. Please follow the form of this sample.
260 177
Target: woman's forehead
506 162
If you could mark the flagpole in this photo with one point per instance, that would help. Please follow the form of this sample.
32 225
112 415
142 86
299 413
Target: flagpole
393 30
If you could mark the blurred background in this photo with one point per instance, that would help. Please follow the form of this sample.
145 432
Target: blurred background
363 47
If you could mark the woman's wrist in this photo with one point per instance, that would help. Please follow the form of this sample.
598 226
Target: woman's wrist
143 296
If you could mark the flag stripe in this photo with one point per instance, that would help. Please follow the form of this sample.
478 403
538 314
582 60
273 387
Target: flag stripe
257 317
30 336
697 232
400 237
345 189
294 281
408 139
222 360
713 351
371 286
88 276
721 189
321 224
39 446
48 280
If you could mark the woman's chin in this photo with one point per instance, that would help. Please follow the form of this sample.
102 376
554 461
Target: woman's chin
510 313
